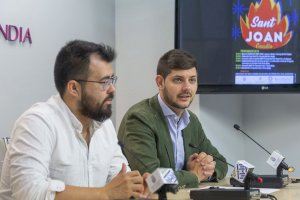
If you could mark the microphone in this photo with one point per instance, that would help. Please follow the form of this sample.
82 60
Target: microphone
244 170
282 164
237 127
162 180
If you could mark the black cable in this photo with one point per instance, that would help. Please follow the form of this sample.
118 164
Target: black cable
267 196
272 197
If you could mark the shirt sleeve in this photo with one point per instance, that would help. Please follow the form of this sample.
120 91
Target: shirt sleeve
118 157
30 152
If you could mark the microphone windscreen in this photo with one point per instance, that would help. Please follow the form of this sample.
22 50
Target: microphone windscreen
237 127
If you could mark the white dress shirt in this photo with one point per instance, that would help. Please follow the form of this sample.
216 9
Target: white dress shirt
47 152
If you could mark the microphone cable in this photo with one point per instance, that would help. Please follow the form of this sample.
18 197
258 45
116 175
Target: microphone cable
268 196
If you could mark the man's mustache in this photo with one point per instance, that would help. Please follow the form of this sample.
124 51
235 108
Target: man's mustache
109 97
184 94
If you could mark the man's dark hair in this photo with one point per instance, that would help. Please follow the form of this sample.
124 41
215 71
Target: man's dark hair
72 61
175 59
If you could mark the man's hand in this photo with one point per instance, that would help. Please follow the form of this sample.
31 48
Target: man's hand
202 165
125 185
147 194
193 165
208 165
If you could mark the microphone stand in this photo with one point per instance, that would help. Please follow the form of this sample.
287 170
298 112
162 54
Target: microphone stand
279 171
162 192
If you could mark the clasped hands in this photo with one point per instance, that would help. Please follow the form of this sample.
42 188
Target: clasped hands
202 165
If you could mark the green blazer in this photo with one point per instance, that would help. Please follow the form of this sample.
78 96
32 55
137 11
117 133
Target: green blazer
148 145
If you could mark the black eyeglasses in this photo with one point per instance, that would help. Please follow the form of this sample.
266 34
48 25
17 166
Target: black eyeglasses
105 84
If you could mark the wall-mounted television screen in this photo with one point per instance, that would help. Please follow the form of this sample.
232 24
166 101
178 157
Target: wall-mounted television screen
242 46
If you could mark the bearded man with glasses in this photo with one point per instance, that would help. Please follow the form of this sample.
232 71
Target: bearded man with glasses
66 147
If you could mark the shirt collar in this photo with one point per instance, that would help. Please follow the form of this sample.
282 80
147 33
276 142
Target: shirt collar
168 112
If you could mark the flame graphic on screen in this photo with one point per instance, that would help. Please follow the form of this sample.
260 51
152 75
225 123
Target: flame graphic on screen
264 28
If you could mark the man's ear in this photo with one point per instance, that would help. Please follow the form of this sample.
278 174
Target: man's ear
73 88
160 82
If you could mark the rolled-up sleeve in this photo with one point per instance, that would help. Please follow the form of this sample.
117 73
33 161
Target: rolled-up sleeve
30 153
118 156
116 164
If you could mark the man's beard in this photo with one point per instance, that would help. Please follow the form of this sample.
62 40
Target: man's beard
173 103
98 113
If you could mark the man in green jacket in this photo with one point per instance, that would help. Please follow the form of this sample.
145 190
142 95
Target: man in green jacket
161 132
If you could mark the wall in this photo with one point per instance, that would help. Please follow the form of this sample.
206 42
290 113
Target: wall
144 31
27 70
273 120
